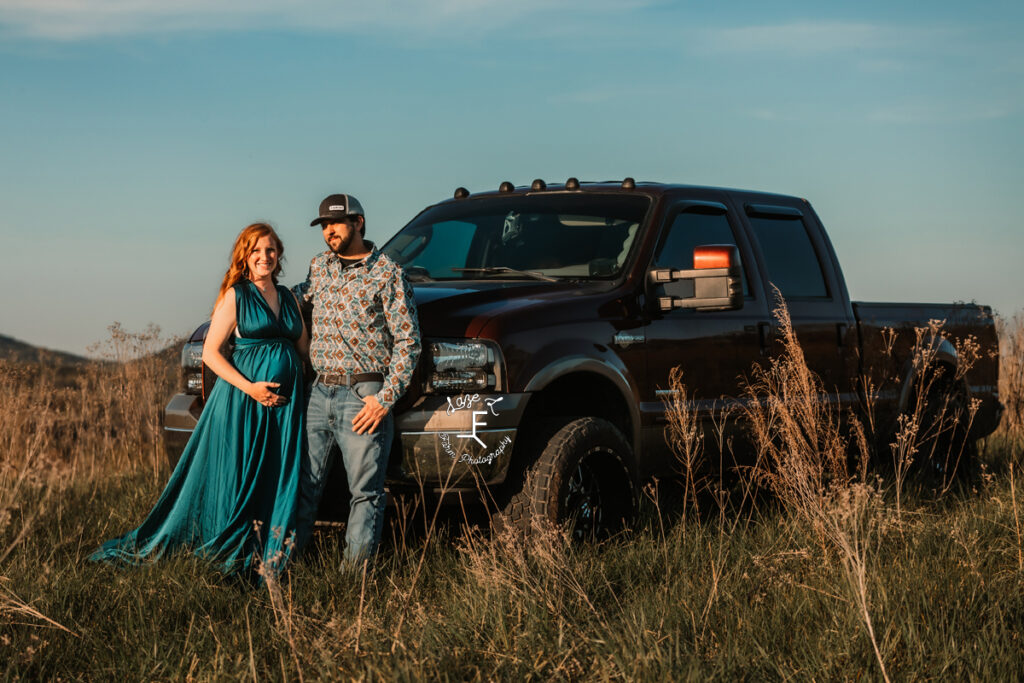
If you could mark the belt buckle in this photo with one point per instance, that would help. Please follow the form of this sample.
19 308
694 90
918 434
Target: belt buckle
343 380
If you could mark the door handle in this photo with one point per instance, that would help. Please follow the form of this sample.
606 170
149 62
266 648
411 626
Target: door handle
841 334
765 333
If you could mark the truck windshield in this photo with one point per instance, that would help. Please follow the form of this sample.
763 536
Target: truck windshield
574 236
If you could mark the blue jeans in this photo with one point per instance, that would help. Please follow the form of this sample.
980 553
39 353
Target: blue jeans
329 421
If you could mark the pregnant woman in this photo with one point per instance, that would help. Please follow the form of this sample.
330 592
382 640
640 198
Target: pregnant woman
233 495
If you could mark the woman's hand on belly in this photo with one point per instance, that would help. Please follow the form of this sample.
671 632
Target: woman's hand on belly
261 393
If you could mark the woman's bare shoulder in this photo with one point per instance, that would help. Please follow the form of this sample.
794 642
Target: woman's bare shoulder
226 303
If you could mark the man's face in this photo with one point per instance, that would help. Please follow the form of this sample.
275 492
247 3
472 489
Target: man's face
339 235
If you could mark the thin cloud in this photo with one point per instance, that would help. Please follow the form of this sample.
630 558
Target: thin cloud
882 66
585 97
800 39
85 19
774 115
940 113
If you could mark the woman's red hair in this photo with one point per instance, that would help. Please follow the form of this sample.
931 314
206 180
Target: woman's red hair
246 241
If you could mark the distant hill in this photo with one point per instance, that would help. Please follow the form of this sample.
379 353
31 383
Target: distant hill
19 351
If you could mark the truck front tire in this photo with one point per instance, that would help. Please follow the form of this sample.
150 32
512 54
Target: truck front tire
583 477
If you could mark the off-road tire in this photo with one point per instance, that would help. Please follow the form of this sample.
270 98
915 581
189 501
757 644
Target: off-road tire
947 455
583 477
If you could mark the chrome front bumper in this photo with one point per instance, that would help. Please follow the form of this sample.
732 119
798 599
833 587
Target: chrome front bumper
180 417
456 442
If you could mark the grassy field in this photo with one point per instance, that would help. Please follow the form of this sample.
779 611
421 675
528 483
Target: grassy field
820 574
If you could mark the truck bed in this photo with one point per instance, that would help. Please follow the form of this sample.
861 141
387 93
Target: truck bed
888 333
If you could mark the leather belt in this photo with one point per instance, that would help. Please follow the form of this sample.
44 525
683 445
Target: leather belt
337 379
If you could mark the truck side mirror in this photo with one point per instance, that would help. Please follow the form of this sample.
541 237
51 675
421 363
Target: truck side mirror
716 279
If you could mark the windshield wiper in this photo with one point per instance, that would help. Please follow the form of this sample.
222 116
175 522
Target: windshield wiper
506 269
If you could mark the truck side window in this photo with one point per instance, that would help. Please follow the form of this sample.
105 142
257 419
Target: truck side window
789 256
691 229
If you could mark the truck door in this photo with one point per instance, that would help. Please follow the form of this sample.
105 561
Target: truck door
798 260
715 349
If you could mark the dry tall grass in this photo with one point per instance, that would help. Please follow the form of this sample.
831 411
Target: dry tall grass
833 586
102 418
804 456
61 427
684 436
816 464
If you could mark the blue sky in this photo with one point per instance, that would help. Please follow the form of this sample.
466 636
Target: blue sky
138 136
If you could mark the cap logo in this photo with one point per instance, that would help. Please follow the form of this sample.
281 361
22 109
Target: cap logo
336 207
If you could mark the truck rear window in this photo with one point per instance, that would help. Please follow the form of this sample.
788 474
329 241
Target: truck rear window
789 255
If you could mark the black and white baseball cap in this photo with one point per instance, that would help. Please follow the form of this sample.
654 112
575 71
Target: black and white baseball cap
338 206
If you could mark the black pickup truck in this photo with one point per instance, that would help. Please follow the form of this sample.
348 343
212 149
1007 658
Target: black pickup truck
553 314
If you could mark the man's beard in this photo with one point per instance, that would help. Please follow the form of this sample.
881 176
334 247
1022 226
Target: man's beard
342 244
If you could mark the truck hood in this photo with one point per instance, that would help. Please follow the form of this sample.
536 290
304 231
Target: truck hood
449 309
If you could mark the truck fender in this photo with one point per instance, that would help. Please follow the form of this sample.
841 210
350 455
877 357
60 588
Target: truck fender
577 363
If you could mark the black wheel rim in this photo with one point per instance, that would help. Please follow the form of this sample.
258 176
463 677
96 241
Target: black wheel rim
583 507
947 451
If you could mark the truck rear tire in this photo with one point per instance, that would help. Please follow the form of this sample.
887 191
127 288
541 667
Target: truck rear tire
950 454
584 478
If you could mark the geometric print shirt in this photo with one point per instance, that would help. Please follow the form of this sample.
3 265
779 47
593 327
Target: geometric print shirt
364 319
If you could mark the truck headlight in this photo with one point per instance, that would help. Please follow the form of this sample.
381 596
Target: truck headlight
192 367
470 365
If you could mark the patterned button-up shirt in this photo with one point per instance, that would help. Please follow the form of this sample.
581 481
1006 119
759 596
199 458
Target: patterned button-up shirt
364 319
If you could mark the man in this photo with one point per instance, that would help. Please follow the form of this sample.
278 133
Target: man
364 348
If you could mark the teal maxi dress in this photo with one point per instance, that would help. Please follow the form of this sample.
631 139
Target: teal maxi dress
232 497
